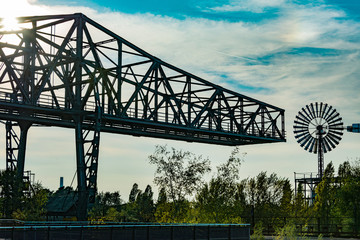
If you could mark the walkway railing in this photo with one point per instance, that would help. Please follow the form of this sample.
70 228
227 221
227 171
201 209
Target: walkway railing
128 232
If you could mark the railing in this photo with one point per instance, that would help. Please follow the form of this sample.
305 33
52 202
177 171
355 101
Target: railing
334 227
47 101
129 232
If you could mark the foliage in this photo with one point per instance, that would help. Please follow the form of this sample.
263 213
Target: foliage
172 174
258 233
15 204
11 193
266 200
221 199
107 207
288 232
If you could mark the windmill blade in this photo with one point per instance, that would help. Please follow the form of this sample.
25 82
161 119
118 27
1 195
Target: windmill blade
300 123
317 109
323 147
327 112
336 132
334 116
301 134
331 114
327 145
309 116
321 109
337 137
300 128
335 124
309 111
309 144
304 140
300 131
333 142
303 117
336 128
324 110
312 145
330 122
313 110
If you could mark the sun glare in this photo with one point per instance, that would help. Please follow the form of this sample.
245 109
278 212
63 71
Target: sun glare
12 9
9 24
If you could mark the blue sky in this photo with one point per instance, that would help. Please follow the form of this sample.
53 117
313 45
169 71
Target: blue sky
286 53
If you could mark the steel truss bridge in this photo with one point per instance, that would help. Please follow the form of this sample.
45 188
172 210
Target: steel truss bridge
69 71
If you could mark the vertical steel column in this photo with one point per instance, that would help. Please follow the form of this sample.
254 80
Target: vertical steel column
24 127
28 79
87 160
283 124
218 119
92 156
119 78
241 130
188 82
262 114
81 171
156 103
80 159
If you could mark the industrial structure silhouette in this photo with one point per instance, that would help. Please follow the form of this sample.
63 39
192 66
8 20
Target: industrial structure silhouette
69 71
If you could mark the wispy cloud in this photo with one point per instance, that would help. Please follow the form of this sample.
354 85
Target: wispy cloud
256 6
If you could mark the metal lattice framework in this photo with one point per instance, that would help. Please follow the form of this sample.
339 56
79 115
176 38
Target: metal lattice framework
69 71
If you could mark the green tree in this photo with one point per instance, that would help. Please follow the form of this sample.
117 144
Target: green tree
107 207
134 193
348 195
179 173
219 200
12 197
299 204
325 195
144 205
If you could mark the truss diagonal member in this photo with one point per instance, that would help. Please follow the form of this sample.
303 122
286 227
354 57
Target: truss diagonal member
58 56
173 97
252 119
12 73
138 88
205 107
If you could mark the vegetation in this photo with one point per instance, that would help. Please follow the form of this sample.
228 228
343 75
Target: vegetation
267 201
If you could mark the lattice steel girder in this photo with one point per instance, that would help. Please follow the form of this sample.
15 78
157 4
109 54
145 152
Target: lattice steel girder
69 71
54 64
12 145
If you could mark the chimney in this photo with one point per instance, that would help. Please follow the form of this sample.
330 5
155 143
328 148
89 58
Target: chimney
61 182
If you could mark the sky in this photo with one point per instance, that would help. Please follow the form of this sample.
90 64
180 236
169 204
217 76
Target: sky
285 53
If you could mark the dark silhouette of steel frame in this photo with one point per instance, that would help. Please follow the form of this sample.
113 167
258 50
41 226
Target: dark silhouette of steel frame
69 71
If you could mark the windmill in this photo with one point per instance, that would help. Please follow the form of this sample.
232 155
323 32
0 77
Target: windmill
318 129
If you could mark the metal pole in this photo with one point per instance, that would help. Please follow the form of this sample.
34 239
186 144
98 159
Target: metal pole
320 156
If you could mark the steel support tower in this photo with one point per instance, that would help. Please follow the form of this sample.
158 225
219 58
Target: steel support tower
69 71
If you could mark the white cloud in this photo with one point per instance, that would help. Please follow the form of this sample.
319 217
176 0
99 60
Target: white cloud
256 6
